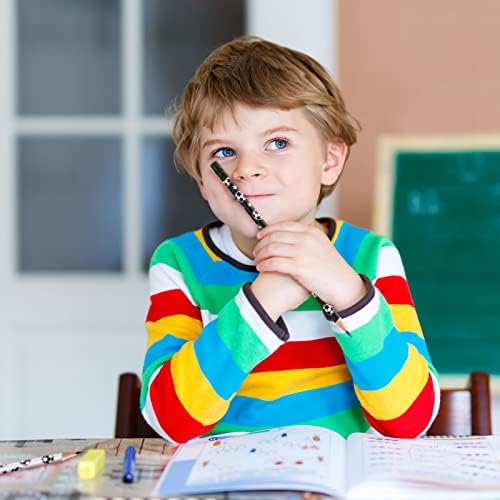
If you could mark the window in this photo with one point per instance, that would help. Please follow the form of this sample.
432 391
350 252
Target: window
96 187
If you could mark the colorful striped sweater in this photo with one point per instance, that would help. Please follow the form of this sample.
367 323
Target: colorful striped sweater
216 362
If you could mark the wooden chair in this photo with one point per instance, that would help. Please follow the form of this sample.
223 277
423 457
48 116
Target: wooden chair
465 411
462 412
129 420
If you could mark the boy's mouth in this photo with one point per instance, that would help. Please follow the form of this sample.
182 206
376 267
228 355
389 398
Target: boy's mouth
256 196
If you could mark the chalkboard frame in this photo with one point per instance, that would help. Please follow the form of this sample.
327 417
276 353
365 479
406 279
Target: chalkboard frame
388 147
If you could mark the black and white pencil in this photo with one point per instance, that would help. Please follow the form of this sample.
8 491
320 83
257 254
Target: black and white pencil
29 463
240 197
329 310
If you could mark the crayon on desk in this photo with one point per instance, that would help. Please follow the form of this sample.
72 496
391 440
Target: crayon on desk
328 309
91 464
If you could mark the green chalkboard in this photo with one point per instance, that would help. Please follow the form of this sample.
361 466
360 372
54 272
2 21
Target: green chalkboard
444 216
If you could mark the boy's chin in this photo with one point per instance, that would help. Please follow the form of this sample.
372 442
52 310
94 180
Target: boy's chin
249 232
246 228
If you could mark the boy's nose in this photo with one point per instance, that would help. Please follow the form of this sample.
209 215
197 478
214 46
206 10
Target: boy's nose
248 169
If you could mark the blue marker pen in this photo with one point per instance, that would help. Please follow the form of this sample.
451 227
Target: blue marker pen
129 465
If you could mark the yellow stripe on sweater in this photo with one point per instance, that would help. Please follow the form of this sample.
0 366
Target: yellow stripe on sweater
194 390
406 319
273 385
179 325
396 397
212 255
338 225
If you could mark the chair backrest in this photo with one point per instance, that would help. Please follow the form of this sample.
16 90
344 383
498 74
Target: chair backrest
466 411
129 420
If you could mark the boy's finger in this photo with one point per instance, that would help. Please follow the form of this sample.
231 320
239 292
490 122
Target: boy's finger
282 226
289 237
274 249
282 265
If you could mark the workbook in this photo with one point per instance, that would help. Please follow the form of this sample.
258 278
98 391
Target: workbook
314 459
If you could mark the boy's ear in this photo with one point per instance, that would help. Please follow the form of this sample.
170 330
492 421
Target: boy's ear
336 154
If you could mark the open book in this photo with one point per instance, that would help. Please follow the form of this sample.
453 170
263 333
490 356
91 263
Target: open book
304 458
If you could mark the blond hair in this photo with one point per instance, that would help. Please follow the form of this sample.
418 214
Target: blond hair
257 72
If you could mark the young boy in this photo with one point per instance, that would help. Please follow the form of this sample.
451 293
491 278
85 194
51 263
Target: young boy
236 340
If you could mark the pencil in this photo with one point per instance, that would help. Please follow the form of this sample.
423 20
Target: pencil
240 197
37 461
328 309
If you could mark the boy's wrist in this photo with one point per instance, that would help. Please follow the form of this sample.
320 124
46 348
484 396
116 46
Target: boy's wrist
267 299
350 294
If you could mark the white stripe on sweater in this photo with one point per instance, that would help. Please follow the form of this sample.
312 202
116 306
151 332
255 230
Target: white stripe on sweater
390 263
363 316
302 325
163 278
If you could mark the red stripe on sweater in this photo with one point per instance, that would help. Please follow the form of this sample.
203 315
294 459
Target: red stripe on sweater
304 354
413 421
165 304
395 290
171 414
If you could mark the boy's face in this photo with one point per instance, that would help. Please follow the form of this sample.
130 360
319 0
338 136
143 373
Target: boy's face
277 159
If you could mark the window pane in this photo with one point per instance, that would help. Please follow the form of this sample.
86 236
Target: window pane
69 204
171 202
177 37
69 57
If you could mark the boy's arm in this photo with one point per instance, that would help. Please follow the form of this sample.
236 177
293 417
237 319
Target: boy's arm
393 375
191 372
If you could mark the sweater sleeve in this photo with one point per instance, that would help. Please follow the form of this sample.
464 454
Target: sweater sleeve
193 368
392 372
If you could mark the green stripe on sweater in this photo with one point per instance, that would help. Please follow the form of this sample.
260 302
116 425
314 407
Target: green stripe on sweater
368 340
245 346
343 423
366 259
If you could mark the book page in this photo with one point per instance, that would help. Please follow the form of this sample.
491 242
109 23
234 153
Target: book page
297 457
468 462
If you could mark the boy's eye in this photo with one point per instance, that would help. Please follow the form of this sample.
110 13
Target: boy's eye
224 153
277 144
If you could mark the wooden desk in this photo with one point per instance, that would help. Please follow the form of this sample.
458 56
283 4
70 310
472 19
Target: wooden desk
61 480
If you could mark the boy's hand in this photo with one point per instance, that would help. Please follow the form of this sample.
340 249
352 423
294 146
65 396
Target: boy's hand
278 293
305 253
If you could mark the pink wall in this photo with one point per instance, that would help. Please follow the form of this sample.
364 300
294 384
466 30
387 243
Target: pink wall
416 67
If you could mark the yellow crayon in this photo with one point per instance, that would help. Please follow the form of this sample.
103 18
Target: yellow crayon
91 464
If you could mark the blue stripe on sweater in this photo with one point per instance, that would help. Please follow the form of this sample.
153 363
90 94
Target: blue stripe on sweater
349 241
419 343
167 346
216 362
378 371
207 271
288 410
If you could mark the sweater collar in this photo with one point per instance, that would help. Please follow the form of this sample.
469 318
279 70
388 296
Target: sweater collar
233 258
